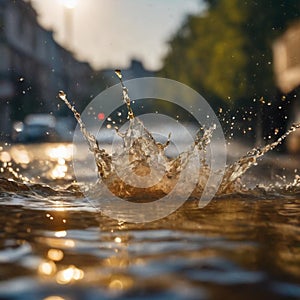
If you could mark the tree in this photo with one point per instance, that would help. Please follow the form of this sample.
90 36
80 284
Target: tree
226 52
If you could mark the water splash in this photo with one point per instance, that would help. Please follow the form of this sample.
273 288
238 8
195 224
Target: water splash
142 155
125 95
102 159
238 169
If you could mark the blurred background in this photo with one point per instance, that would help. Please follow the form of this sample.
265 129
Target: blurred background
242 56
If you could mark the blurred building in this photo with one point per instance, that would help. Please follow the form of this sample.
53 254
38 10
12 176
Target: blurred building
286 53
135 70
33 66
287 59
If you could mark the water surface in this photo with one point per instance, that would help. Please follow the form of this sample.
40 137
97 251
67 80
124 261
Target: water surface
54 243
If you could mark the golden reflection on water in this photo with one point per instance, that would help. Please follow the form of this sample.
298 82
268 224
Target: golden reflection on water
62 275
109 275
5 157
60 152
55 254
77 247
21 156
118 240
59 171
54 298
47 268
61 233
120 282
57 243
61 244
41 161
69 274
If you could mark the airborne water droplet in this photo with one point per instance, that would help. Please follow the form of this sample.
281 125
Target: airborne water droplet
62 95
118 73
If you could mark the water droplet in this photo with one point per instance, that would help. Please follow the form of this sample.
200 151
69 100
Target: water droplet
62 95
118 73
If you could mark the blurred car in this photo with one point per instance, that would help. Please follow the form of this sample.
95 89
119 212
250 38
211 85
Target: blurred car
37 128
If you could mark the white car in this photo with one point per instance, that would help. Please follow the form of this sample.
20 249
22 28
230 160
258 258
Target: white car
36 128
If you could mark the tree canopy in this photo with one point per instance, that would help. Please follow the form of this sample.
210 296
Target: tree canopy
226 52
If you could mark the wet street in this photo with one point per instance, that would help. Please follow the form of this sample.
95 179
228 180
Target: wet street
55 245
127 161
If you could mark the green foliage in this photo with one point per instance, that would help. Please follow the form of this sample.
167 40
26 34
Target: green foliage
226 52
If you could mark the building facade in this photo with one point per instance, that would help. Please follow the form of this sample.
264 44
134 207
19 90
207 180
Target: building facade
33 67
286 56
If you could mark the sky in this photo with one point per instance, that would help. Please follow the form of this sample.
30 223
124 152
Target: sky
109 33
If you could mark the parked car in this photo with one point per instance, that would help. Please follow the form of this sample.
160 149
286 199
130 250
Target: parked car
36 128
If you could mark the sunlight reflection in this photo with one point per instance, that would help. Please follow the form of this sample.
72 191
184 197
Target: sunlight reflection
54 298
116 284
57 242
120 282
59 171
5 156
61 152
55 254
67 275
117 261
47 268
59 206
20 156
69 243
61 233
118 240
